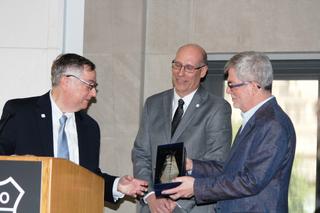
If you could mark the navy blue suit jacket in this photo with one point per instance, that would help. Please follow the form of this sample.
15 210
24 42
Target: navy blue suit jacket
256 176
28 131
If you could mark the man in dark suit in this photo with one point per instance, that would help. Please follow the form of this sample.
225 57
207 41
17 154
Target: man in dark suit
30 126
256 176
205 126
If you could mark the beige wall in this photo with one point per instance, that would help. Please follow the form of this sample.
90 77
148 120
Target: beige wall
224 26
114 40
31 36
133 43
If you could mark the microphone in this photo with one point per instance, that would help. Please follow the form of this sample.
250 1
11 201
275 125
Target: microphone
4 119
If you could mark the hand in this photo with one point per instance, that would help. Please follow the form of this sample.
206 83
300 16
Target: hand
189 164
160 205
184 190
131 186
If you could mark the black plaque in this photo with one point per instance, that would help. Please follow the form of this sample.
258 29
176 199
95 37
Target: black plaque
169 165
20 186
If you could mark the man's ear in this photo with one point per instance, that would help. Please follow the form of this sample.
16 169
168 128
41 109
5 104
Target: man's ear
64 81
204 71
254 89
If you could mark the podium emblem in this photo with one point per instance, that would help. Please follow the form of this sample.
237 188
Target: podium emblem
10 195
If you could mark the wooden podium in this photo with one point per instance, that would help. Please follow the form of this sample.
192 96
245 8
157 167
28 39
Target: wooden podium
48 185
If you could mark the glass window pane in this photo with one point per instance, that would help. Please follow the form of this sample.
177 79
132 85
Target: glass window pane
298 99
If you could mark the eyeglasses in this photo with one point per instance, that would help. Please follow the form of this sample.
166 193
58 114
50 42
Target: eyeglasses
231 85
187 68
90 85
235 85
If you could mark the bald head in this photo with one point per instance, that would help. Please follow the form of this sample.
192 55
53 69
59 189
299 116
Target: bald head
197 50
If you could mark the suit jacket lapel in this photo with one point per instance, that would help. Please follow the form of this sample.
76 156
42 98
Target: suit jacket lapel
250 126
239 137
44 122
167 106
81 137
252 121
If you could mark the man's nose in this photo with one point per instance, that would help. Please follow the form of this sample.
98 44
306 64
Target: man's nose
181 71
93 92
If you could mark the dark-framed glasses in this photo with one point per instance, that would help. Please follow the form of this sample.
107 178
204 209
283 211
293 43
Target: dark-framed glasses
235 85
187 67
90 85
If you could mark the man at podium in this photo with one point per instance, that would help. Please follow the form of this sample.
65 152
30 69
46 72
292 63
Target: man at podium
56 124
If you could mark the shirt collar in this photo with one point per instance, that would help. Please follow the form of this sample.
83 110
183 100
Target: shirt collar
247 115
56 110
187 99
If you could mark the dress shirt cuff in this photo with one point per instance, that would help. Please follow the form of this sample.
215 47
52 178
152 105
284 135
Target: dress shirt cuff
146 196
116 194
150 193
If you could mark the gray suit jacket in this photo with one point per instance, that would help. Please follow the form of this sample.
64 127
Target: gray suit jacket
205 129
256 176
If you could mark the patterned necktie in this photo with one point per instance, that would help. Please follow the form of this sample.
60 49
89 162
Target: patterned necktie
63 150
177 116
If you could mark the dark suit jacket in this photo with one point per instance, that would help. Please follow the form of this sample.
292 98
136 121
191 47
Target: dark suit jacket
205 129
255 178
28 130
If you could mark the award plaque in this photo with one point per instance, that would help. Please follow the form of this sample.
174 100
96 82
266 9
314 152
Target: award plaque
170 164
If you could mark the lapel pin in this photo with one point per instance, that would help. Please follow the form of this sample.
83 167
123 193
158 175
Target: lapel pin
43 115
197 105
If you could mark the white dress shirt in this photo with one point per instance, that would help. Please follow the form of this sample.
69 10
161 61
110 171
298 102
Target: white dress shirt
70 129
187 100
72 138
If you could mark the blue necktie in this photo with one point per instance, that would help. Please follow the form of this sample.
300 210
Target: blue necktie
63 150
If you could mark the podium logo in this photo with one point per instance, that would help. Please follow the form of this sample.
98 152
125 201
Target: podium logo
10 195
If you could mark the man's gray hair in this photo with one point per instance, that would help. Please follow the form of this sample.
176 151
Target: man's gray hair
252 66
69 63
